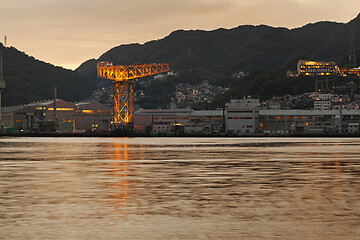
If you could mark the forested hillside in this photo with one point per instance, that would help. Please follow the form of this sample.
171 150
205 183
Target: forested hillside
197 55
28 79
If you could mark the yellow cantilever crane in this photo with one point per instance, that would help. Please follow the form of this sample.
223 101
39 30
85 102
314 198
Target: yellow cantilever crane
123 77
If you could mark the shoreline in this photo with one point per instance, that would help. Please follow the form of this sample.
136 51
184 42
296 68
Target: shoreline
133 135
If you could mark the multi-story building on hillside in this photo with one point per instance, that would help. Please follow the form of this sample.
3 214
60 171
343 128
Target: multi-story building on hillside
322 105
311 68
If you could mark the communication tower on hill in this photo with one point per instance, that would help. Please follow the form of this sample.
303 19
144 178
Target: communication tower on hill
352 53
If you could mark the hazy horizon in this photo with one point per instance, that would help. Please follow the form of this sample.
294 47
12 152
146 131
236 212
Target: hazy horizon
67 33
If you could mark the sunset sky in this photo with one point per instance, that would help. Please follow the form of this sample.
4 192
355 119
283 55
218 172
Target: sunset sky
69 32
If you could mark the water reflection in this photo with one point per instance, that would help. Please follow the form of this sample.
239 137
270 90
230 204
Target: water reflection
120 170
179 188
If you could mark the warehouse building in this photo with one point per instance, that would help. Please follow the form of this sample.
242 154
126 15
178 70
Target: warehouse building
20 117
308 121
92 116
40 117
206 121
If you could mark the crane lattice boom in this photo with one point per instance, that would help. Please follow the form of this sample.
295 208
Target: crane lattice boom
127 72
123 77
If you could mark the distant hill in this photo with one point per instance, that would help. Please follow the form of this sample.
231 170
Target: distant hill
244 48
28 79
197 55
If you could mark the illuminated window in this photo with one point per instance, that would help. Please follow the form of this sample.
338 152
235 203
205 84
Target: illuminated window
61 109
95 111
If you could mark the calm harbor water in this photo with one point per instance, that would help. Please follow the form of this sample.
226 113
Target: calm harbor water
179 188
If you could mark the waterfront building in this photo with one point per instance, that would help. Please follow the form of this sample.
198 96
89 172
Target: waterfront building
307 121
20 117
205 121
153 120
55 118
162 127
297 121
39 117
179 120
92 116
239 117
242 116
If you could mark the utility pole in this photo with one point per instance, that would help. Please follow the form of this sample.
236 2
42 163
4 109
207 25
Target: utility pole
55 118
2 81
340 119
224 119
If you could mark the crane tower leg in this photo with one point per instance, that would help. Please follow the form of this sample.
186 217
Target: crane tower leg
123 102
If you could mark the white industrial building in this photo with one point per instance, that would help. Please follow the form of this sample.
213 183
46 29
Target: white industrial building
181 120
242 116
206 121
308 121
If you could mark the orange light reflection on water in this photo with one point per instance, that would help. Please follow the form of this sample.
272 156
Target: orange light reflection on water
120 171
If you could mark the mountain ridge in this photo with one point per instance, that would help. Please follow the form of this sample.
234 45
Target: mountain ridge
242 48
213 55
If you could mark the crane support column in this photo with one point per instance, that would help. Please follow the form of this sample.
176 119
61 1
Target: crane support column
123 102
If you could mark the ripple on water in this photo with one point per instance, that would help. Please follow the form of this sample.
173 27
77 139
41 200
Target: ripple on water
179 188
